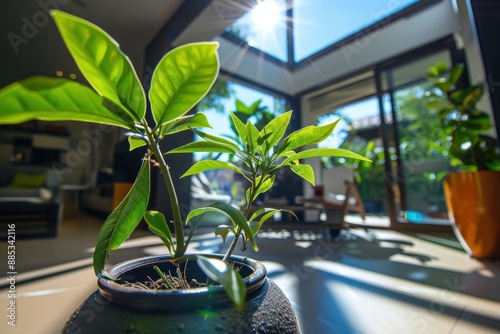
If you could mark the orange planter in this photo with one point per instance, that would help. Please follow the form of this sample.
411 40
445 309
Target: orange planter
473 202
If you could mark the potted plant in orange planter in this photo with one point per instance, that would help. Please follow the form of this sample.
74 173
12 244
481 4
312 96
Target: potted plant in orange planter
471 195
184 292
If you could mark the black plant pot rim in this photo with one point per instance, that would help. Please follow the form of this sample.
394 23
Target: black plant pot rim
169 300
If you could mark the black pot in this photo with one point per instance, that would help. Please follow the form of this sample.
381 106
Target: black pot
115 308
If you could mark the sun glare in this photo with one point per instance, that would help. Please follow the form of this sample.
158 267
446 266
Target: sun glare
266 15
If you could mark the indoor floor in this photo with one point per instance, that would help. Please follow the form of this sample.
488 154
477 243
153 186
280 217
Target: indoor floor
361 282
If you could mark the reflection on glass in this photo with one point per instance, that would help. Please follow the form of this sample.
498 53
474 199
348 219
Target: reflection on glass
423 151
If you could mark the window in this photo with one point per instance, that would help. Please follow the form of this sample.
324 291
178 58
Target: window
320 23
315 24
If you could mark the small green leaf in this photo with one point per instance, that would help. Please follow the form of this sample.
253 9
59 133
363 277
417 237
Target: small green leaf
202 146
198 120
102 63
221 141
234 214
158 225
205 165
239 127
324 152
252 138
56 99
265 186
223 231
474 95
259 213
276 128
135 143
304 171
181 79
455 74
308 136
227 276
254 227
124 219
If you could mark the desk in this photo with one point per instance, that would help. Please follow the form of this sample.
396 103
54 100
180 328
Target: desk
77 190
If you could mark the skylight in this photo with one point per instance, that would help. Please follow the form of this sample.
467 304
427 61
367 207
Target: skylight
264 27
317 24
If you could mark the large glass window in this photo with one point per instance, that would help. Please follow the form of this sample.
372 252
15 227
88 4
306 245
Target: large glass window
320 23
316 24
265 28
422 142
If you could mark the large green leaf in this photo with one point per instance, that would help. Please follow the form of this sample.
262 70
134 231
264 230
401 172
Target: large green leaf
227 276
181 79
124 219
202 146
324 152
205 165
56 99
102 63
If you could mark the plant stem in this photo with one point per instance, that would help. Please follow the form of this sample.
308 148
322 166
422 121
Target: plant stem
167 177
237 233
231 248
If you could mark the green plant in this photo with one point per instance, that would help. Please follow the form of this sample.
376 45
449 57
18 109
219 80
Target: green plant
180 80
469 147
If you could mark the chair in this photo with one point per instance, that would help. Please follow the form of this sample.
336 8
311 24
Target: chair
341 192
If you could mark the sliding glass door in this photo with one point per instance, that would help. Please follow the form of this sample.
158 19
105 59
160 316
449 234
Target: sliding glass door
384 116
420 143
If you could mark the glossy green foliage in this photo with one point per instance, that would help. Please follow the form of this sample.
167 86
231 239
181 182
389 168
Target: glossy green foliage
118 99
158 225
103 64
261 154
181 79
57 99
236 216
124 219
470 147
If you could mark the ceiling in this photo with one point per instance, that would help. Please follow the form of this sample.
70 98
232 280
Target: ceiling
31 44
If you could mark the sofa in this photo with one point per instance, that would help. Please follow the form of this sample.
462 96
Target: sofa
29 198
24 183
